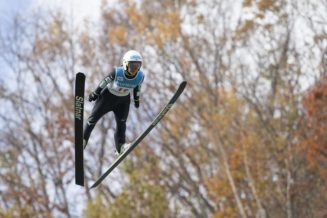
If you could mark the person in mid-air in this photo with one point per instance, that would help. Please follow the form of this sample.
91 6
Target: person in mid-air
113 94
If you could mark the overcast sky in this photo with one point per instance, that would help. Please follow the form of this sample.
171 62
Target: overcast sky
79 9
7 7
76 10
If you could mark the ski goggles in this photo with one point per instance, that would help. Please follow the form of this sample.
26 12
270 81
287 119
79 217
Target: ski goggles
134 66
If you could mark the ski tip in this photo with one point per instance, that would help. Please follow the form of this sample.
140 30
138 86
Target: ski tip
183 84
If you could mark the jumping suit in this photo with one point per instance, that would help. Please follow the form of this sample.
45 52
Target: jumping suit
114 95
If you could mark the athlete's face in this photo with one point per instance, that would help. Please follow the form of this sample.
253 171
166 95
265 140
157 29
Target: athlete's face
134 66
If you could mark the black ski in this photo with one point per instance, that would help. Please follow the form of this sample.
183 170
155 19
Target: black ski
141 137
79 111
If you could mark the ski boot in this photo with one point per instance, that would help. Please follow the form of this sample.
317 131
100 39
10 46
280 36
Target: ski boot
122 149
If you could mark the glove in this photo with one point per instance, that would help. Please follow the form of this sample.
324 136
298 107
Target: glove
93 96
137 103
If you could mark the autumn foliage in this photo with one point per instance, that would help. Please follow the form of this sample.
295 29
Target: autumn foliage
315 103
246 139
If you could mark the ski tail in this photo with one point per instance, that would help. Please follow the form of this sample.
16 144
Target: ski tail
78 114
156 120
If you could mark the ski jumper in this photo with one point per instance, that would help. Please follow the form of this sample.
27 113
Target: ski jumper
114 95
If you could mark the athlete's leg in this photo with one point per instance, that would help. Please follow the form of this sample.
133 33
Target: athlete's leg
100 108
121 114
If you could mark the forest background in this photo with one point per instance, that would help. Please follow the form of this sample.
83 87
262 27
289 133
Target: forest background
246 139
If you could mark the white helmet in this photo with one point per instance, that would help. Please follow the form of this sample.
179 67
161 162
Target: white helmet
131 55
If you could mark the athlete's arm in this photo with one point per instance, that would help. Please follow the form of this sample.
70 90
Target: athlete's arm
136 94
103 83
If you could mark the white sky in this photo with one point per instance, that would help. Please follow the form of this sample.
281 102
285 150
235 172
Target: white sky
78 9
8 7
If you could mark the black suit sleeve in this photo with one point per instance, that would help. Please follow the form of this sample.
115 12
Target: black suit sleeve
103 83
136 94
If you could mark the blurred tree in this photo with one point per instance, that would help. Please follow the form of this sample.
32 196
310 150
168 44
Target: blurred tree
315 104
143 196
240 142
315 147
37 137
